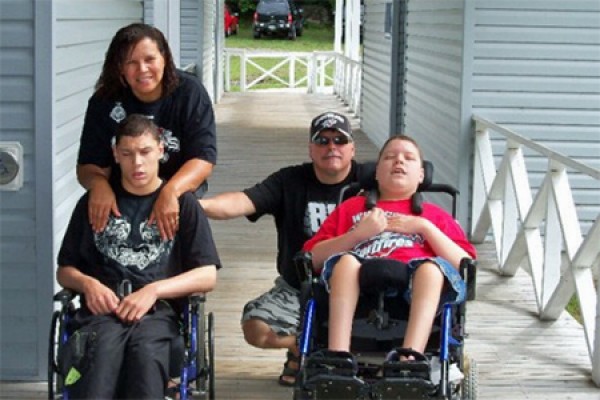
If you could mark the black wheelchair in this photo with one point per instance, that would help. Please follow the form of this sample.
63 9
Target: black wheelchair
373 370
192 358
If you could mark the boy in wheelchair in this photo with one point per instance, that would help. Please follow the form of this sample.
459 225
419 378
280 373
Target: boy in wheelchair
392 247
130 280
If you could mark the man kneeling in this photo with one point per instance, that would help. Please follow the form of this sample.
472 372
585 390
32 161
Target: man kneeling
129 278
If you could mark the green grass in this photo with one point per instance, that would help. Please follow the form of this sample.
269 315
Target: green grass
574 309
314 38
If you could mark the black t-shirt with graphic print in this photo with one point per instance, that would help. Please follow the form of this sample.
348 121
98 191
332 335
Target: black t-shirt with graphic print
129 248
299 202
186 119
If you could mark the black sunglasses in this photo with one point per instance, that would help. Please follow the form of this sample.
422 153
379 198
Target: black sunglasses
337 140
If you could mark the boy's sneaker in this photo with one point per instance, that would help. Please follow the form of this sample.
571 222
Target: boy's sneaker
455 375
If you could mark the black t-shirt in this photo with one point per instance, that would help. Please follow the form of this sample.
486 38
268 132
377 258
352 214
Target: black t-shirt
185 117
129 248
299 202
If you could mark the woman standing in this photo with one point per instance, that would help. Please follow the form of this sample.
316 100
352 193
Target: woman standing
139 76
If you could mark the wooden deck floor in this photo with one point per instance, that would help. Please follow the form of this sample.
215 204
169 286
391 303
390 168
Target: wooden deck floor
519 357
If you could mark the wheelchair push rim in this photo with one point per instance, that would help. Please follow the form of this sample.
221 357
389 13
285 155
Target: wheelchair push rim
55 380
211 357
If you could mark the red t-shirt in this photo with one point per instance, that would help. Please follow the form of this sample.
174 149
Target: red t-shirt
399 246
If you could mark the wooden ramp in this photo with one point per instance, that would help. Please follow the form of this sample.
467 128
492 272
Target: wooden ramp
519 356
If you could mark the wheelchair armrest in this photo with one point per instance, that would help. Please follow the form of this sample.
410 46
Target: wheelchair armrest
304 269
303 264
64 296
197 298
468 272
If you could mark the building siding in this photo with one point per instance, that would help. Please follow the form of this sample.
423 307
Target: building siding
433 72
190 31
377 74
18 295
536 70
51 54
83 32
207 47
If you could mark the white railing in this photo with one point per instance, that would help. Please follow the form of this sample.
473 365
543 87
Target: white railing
542 235
348 81
317 72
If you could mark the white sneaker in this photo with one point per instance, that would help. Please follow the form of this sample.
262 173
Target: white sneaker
454 373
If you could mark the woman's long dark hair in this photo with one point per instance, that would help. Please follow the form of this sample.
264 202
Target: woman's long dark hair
111 84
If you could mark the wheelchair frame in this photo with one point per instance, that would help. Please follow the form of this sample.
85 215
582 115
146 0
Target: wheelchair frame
338 375
197 379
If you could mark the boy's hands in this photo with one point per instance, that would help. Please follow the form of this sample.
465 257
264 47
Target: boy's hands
99 299
102 300
373 223
134 306
406 224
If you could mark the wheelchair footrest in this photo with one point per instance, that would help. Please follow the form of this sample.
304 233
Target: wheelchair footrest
403 388
334 363
418 367
333 387
332 375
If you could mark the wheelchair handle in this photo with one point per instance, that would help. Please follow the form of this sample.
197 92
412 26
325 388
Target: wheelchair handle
64 296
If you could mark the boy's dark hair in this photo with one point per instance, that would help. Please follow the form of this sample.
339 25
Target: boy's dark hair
111 84
136 125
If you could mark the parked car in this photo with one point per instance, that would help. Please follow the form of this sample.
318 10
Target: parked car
232 21
278 17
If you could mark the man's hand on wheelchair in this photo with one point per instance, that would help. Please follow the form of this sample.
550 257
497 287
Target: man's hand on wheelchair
134 306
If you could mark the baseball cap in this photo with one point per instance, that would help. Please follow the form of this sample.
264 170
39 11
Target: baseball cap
330 120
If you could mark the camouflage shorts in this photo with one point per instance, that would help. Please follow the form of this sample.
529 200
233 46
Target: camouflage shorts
279 308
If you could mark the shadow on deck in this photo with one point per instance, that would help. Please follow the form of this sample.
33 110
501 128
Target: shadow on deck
519 356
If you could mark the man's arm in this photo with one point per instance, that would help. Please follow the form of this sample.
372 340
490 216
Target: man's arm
228 205
201 279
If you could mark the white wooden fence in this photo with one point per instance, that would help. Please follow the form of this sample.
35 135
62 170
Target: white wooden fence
542 235
317 71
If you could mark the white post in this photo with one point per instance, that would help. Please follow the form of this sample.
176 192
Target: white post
596 354
292 72
227 72
337 38
353 41
243 71
312 73
167 19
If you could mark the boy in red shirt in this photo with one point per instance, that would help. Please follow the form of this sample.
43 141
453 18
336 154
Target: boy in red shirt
429 246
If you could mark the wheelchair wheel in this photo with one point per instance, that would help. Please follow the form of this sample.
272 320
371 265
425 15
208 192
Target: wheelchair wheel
55 380
470 385
211 357
205 380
